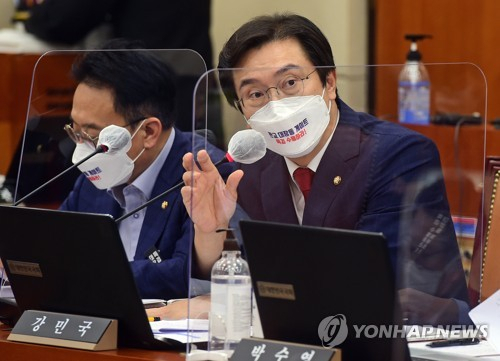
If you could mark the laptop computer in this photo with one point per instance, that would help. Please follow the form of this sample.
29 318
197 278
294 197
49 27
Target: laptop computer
74 263
324 286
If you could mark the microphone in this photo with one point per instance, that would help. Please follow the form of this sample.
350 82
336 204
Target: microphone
113 138
110 140
246 146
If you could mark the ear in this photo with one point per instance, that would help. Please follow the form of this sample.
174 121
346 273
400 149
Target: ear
331 85
152 128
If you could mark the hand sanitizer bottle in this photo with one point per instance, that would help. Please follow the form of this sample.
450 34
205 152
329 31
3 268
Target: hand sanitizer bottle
414 86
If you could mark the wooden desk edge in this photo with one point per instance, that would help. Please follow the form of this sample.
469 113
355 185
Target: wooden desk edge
16 351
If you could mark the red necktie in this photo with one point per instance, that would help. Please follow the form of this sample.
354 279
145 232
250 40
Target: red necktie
303 177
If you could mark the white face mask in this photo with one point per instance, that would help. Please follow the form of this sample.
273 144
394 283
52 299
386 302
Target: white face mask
293 126
106 170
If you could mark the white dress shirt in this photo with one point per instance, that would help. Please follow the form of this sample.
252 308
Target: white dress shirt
136 194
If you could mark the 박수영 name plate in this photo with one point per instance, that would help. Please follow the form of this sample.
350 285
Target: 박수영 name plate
256 349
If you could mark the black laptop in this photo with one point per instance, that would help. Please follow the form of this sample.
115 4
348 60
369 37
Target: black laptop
318 286
74 263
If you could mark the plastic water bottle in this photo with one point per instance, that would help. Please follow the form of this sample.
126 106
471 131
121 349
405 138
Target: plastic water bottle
414 86
231 300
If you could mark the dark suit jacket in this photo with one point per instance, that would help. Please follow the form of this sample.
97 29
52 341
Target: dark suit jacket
169 230
390 182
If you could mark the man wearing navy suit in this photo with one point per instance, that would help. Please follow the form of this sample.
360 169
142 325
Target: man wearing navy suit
135 91
330 166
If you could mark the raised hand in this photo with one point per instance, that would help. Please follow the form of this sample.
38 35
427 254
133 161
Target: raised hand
211 203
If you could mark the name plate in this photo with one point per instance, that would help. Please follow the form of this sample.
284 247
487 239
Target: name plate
255 349
65 330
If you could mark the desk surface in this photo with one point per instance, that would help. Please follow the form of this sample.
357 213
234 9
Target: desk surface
482 351
16 351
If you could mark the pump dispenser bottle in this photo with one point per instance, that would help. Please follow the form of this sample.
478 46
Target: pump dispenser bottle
414 86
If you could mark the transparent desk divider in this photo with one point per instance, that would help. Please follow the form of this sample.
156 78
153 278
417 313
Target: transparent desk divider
418 184
46 149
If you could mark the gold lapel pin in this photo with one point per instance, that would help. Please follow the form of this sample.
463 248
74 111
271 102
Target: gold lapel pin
164 205
337 180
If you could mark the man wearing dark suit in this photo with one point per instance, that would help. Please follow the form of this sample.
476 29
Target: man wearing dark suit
135 91
363 173
368 171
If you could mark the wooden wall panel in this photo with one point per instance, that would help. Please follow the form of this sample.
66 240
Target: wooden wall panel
52 97
463 31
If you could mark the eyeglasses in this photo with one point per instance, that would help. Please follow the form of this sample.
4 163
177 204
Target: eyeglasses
82 136
253 97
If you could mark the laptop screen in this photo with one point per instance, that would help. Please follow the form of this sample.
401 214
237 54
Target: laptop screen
324 286
73 263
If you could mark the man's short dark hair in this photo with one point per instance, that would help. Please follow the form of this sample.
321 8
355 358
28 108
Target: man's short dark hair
143 85
265 29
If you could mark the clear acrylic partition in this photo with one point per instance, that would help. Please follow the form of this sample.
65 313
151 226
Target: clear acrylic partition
425 199
46 150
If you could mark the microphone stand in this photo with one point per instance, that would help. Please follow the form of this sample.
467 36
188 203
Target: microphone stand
99 149
161 195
